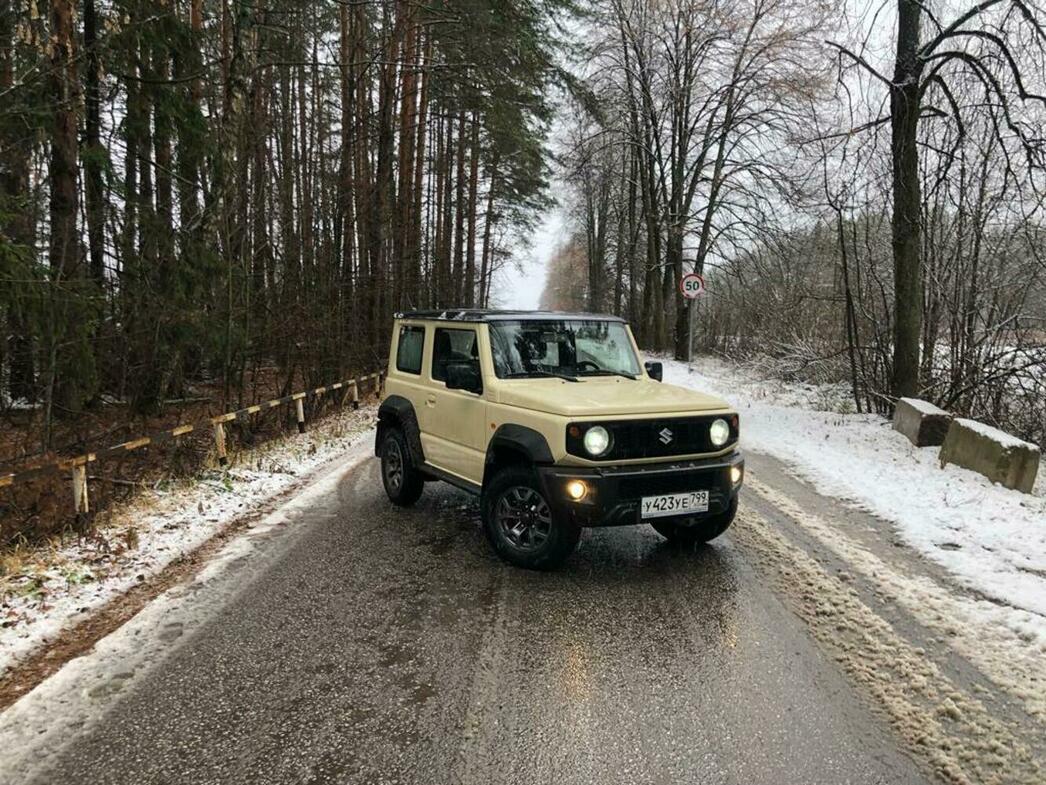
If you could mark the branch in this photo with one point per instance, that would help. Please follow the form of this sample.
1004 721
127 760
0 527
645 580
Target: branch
960 136
1029 17
1015 70
861 61
987 78
992 87
951 29
929 14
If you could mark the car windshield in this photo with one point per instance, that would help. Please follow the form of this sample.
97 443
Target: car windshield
568 348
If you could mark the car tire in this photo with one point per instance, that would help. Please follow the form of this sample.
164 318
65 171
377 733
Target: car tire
704 530
403 482
520 522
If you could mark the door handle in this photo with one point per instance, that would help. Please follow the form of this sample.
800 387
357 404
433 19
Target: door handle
430 401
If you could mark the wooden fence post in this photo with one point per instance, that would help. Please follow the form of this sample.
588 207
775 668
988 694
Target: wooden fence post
219 443
299 409
80 503
355 395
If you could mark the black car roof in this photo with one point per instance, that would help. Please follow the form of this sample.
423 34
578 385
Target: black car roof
484 315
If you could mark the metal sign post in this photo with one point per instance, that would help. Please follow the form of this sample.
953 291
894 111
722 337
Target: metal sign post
691 286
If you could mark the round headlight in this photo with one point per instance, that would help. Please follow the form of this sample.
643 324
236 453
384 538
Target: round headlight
597 440
719 432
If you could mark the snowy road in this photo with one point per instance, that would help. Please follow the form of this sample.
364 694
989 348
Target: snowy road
357 643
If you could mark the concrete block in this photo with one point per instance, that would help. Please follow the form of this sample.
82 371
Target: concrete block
997 455
923 423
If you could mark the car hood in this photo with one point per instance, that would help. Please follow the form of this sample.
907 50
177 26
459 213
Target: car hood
606 397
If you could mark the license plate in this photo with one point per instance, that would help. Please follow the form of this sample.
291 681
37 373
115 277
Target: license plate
674 504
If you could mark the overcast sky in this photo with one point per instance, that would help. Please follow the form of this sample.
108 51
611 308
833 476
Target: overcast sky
521 288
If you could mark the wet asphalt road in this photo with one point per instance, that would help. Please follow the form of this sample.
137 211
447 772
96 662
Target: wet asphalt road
368 644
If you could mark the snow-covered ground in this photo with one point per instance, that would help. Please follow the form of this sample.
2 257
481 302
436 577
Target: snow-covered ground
992 539
57 587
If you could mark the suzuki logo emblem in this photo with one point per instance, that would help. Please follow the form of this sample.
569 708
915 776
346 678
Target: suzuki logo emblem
665 436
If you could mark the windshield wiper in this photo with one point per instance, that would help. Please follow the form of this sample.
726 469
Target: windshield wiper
607 372
526 374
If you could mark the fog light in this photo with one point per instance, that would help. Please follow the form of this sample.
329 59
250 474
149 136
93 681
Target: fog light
735 475
576 490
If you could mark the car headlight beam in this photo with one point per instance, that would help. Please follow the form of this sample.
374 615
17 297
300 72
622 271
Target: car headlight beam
719 432
596 441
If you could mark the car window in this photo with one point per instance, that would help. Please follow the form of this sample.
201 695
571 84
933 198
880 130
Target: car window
408 352
568 346
451 346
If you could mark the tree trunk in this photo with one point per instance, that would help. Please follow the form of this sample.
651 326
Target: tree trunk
404 269
385 191
446 253
485 272
907 257
162 135
414 255
288 225
439 276
64 246
94 153
261 249
17 215
634 226
72 361
470 241
188 64
346 215
458 275
674 267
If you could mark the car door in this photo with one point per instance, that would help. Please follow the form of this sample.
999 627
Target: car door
452 420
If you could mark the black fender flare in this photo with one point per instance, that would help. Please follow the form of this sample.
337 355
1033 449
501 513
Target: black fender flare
397 411
519 439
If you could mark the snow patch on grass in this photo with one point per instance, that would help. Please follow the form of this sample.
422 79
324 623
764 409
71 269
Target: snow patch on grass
58 586
991 538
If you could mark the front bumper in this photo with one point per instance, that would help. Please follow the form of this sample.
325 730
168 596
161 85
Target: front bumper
615 492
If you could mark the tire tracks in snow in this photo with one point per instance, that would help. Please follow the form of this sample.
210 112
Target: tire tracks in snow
975 628
952 730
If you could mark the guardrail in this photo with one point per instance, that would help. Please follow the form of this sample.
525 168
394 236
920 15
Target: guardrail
77 465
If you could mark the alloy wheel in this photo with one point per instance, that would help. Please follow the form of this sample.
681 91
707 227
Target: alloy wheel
393 465
523 518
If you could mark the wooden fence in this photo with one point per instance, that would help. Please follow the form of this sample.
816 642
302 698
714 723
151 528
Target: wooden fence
77 466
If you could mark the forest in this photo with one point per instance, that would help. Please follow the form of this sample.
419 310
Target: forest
861 185
220 199
239 195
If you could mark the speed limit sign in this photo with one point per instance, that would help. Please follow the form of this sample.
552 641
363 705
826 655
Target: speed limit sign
692 285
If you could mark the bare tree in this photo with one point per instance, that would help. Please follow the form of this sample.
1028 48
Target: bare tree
702 96
975 42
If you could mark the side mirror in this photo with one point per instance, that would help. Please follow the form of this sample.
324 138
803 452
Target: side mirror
654 369
464 376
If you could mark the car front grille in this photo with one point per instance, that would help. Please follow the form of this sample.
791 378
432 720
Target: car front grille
653 438
635 487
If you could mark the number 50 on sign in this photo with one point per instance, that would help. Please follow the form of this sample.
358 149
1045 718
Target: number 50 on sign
691 285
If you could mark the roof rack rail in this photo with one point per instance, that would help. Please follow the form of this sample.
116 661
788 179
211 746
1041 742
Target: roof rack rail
493 315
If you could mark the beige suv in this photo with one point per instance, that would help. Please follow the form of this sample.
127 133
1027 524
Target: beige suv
553 420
